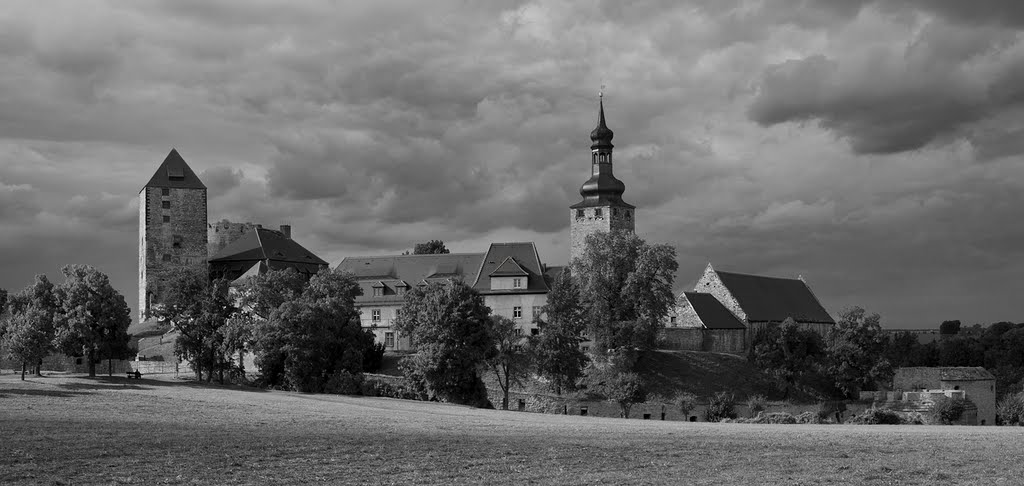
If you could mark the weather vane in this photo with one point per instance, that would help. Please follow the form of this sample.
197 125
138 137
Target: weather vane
600 94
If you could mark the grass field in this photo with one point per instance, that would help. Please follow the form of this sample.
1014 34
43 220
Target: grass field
76 430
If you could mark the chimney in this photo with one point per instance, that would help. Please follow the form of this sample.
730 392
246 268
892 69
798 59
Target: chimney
286 229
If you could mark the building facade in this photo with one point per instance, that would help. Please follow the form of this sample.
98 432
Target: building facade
602 207
172 227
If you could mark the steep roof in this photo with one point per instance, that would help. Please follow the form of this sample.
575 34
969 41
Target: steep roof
175 173
401 270
965 373
712 313
774 299
268 246
496 263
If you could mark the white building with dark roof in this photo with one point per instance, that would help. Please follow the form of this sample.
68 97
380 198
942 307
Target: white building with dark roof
510 276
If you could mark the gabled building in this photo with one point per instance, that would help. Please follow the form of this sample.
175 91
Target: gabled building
260 250
510 276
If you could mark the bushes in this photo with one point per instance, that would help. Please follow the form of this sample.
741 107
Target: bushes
947 410
829 410
344 383
721 406
1010 410
877 416
756 404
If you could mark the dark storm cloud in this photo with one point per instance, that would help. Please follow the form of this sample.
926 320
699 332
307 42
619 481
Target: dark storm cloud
944 81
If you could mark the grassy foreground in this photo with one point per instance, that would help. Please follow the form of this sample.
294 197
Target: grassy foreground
76 430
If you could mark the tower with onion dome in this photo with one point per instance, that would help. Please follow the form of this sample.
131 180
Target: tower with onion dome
602 207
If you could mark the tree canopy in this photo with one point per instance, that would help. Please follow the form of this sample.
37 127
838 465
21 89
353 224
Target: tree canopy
199 310
91 316
787 352
429 248
27 332
625 289
449 324
856 346
556 350
510 359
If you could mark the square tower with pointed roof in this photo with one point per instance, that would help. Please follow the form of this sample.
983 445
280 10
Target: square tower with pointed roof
172 227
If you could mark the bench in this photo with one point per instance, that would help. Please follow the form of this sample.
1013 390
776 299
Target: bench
133 374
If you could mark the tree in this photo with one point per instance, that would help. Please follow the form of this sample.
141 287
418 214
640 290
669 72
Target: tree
308 340
556 350
685 402
613 379
261 294
449 324
787 352
856 346
91 314
625 289
949 328
431 247
510 359
198 310
29 327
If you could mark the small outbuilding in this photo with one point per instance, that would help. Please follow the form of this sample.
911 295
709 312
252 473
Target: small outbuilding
978 385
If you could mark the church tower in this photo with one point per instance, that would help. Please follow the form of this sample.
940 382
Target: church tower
172 227
602 207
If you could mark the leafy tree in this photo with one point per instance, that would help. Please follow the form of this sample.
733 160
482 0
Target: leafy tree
306 341
199 310
856 346
3 300
686 402
261 294
901 349
613 379
556 350
449 324
721 405
625 289
91 315
29 327
787 352
756 404
947 410
431 247
949 328
510 358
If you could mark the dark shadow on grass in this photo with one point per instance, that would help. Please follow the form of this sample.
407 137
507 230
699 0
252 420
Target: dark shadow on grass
45 393
124 383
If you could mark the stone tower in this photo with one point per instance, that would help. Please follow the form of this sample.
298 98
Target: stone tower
602 207
172 227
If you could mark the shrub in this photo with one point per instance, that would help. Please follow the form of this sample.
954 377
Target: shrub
877 416
756 404
344 383
1010 410
721 406
373 358
808 418
829 410
686 402
947 410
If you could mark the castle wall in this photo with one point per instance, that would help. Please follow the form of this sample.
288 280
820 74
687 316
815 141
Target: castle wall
170 237
224 232
612 218
732 341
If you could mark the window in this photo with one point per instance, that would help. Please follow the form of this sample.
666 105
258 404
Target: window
400 290
378 291
597 213
627 213
389 339
165 191
534 331
177 240
579 214
375 315
615 211
519 332
167 219
672 320
166 257
583 410
517 312
517 283
536 311
585 348
165 204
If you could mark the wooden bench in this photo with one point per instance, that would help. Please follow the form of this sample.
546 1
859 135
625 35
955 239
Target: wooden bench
133 374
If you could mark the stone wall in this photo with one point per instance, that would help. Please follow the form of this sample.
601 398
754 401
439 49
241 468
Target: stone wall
612 218
170 237
709 283
222 233
731 341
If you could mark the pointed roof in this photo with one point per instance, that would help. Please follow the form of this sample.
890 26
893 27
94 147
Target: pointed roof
601 135
774 299
524 256
711 312
269 247
509 268
175 173
401 270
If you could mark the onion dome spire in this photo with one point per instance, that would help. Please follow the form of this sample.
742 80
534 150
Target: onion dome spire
602 135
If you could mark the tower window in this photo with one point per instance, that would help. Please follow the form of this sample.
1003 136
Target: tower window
597 213
628 214
165 204
166 257
165 191
177 240
579 214
167 219
615 211
517 312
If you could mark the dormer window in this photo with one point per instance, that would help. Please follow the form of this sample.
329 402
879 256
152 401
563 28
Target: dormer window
517 283
378 291
176 173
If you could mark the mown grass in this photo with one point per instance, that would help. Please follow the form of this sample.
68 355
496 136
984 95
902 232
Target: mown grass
75 430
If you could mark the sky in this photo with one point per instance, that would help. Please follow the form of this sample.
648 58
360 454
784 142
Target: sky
872 147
